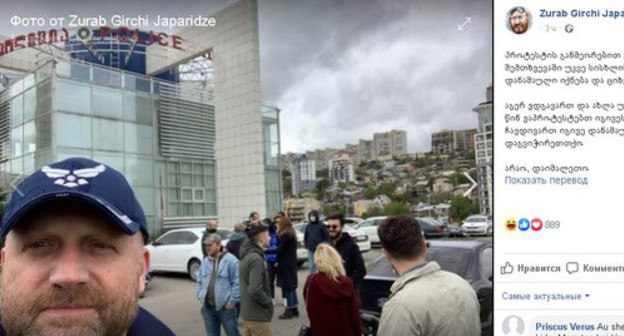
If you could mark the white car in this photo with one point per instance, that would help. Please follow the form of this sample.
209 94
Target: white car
369 227
477 225
302 252
180 251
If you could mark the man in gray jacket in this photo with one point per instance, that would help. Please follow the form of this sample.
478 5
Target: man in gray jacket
255 293
425 300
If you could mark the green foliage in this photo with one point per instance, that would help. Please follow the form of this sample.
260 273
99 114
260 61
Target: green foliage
441 197
373 212
396 208
321 188
332 208
462 207
370 193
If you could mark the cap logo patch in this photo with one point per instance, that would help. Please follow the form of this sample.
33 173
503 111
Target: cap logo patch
72 179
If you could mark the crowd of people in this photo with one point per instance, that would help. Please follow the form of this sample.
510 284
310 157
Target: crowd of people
74 263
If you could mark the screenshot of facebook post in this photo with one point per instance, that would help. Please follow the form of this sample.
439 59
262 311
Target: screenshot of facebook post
558 127
292 167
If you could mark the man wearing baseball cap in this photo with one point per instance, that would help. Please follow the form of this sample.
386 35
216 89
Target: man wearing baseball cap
74 261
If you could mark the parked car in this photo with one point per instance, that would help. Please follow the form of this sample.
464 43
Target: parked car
455 230
470 259
369 227
179 250
477 225
432 227
353 221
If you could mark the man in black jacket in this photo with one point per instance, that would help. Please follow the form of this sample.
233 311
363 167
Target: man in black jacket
315 233
348 249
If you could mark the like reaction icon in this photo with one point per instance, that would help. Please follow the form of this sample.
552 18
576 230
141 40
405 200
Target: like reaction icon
507 269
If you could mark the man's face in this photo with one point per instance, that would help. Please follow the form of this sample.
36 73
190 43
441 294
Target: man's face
255 219
66 274
212 225
213 249
334 228
519 22
264 239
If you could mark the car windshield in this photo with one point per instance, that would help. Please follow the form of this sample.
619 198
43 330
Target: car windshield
451 259
430 221
475 219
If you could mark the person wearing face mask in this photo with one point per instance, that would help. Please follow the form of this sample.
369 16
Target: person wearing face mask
211 227
315 233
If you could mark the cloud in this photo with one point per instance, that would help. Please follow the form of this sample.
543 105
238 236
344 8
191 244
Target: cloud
381 66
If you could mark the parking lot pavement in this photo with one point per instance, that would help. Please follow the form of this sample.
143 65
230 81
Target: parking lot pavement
171 297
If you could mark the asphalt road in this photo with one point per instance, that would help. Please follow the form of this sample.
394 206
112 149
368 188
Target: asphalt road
171 297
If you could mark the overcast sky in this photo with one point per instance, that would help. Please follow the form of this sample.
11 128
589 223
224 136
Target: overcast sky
343 70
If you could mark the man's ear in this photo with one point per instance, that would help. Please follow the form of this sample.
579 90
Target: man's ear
145 262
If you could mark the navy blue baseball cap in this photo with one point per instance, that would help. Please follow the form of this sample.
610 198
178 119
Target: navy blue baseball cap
97 184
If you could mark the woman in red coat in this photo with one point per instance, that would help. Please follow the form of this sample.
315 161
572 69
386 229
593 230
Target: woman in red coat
331 301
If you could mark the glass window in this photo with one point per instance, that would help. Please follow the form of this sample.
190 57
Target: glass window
187 238
198 195
43 132
17 141
107 102
139 138
187 194
80 71
30 135
169 238
146 199
139 172
139 108
17 87
73 97
106 77
114 160
73 130
107 134
29 164
43 73
29 81
17 111
135 83
17 166
44 98
30 104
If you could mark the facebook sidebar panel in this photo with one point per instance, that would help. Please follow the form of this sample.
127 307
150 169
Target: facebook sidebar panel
558 128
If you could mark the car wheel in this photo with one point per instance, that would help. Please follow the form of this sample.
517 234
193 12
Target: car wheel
300 263
193 268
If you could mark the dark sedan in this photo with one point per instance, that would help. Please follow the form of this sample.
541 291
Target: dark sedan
433 227
470 259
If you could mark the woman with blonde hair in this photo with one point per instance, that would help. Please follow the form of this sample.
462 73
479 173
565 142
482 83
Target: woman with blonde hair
331 300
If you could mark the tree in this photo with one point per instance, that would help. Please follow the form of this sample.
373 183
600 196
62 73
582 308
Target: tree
397 208
462 207
440 197
373 212
332 208
321 188
370 193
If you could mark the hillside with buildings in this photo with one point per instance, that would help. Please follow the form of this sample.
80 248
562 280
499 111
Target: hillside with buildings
379 176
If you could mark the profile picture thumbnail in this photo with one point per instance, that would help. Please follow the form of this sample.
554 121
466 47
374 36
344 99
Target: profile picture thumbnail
519 20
